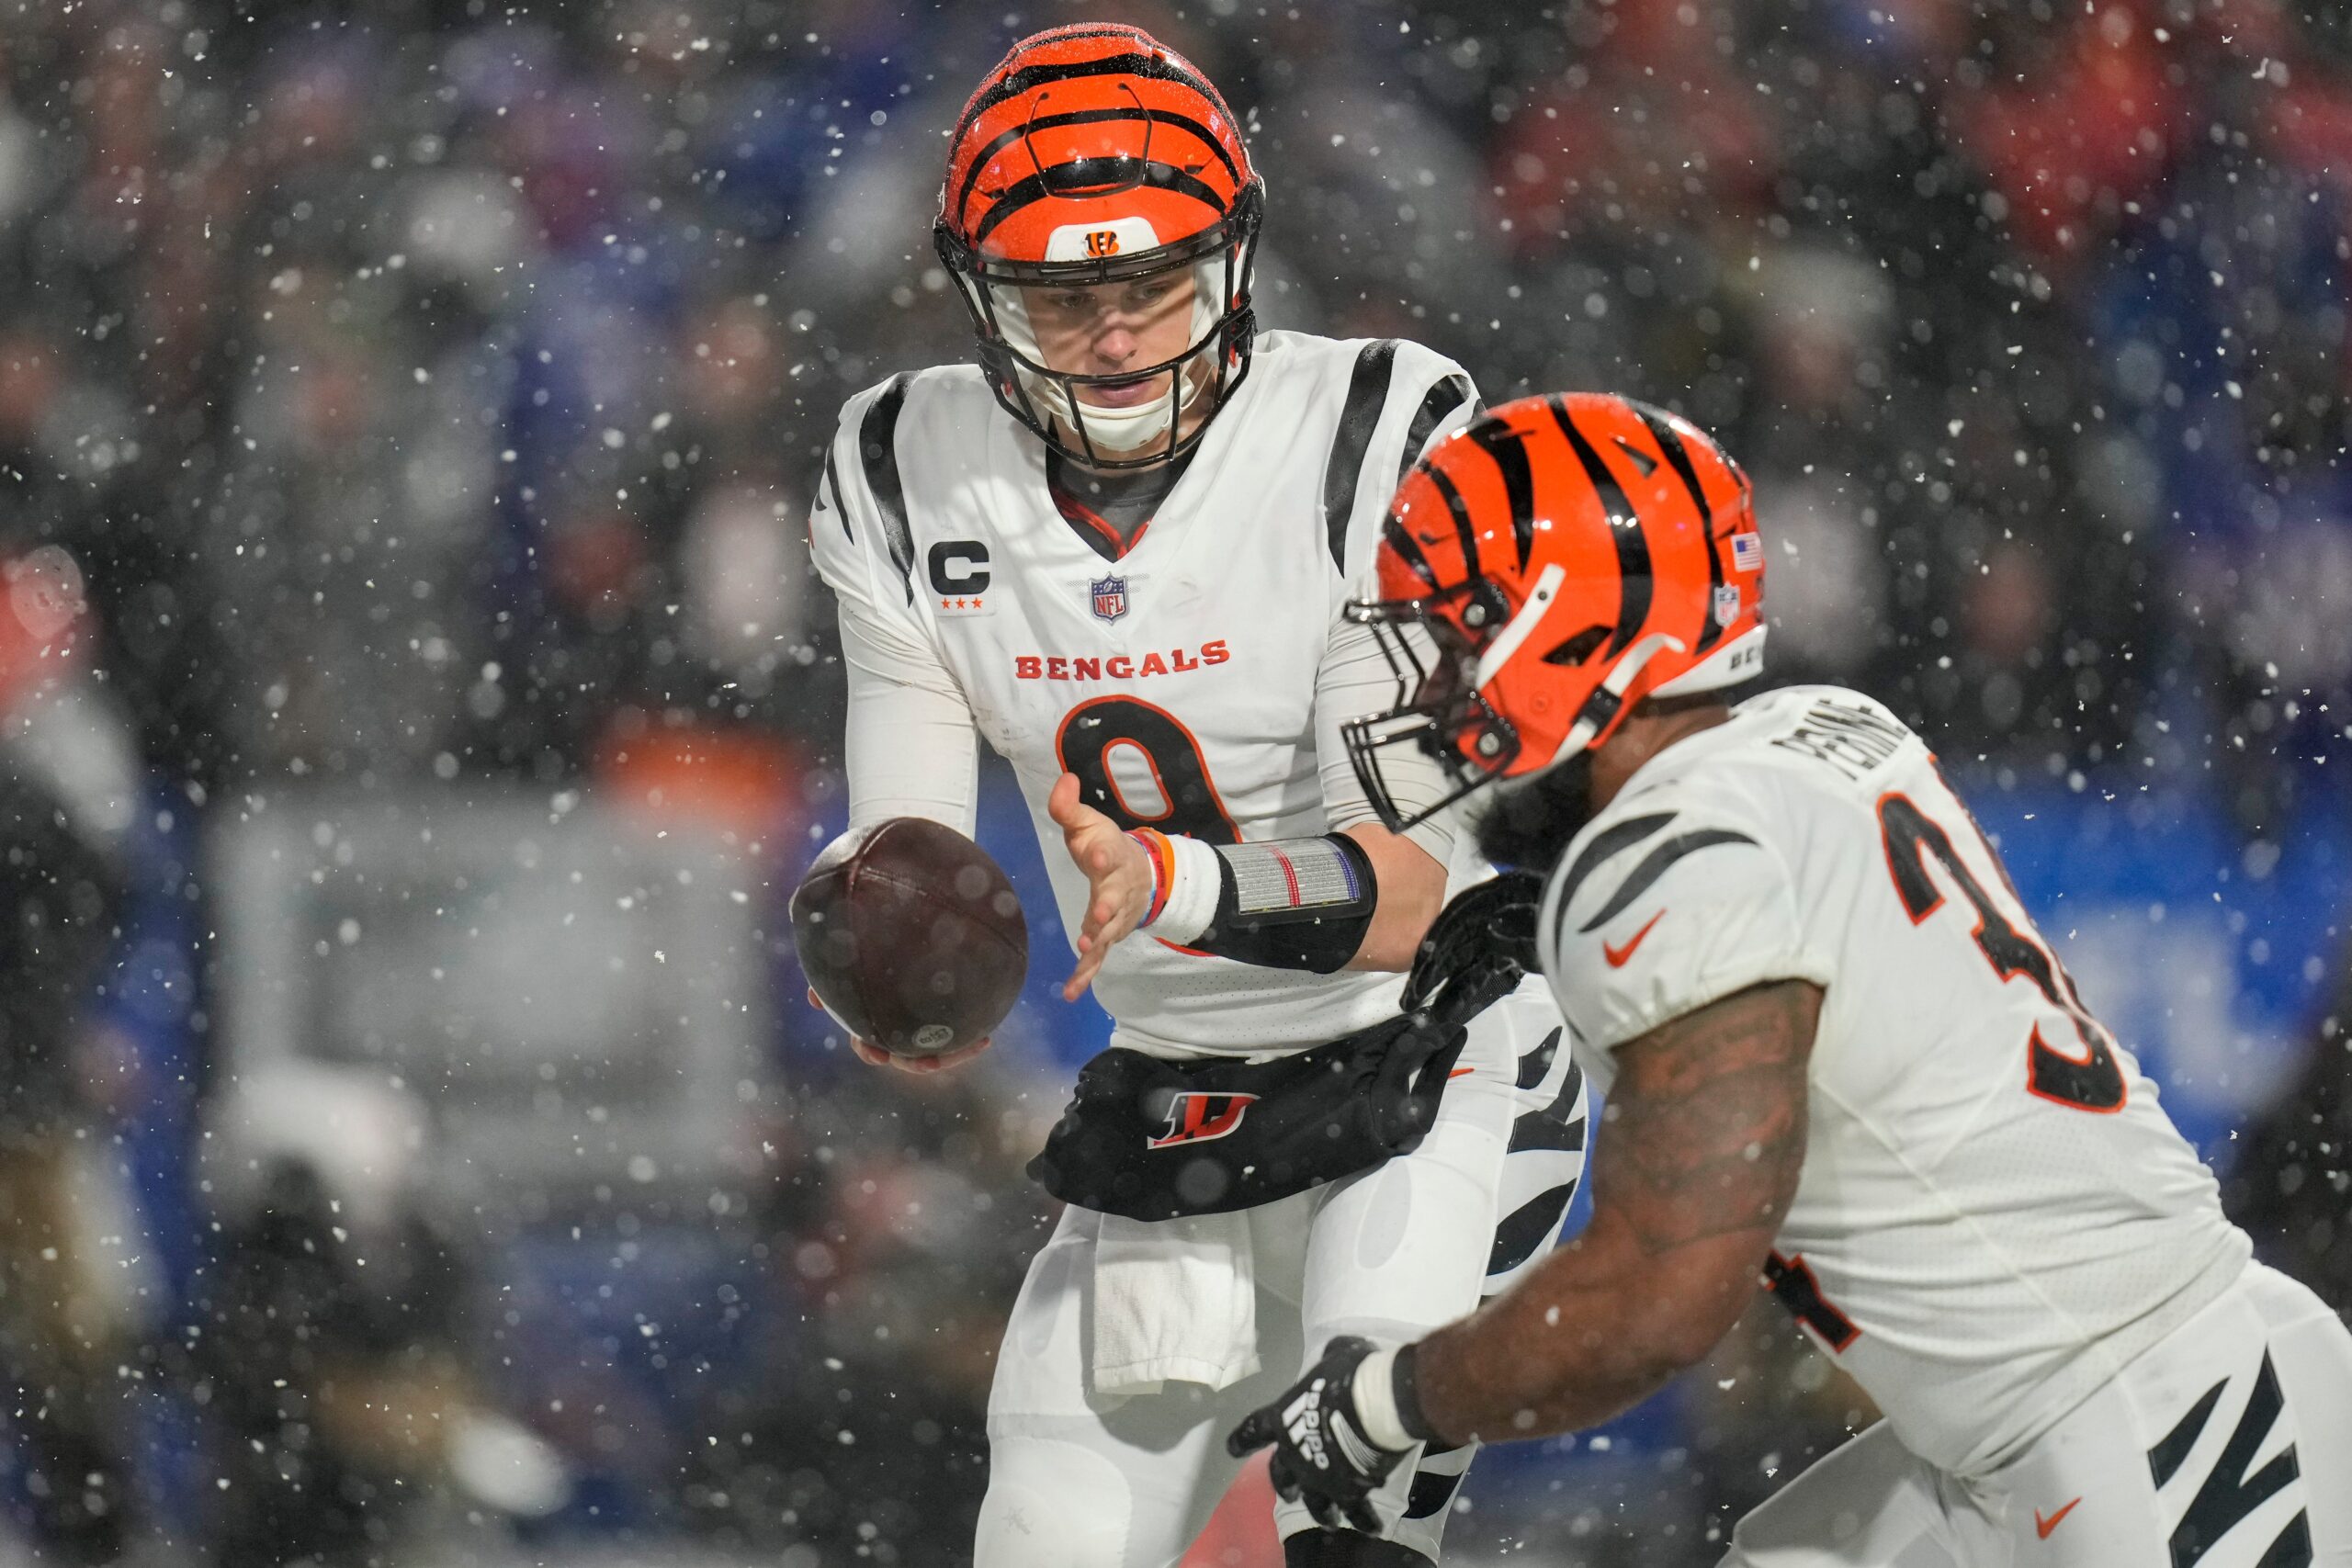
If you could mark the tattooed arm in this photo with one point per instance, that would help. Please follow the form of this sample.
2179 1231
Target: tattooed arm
1693 1173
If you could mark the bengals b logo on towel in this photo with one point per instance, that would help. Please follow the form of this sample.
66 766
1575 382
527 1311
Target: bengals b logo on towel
1194 1116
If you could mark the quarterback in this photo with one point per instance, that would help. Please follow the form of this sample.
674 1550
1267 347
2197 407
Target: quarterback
1118 548
1838 1058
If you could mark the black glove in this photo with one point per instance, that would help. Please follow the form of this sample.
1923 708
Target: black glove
1320 1452
1477 948
1477 952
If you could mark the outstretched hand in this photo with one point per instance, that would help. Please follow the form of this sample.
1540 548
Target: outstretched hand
1118 880
1320 1450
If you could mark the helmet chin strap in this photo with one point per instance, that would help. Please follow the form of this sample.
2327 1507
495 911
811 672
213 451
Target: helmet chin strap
1128 429
1610 695
1116 429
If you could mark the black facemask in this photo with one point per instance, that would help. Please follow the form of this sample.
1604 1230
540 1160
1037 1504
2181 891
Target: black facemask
1530 825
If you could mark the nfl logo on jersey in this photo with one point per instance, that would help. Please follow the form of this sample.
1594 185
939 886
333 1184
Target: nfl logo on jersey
1110 598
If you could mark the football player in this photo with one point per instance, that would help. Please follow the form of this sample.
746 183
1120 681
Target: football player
1844 1063
1118 548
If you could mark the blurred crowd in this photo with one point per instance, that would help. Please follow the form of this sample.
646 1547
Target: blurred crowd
430 390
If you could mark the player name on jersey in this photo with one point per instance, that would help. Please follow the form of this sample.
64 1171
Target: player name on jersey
1851 738
1117 666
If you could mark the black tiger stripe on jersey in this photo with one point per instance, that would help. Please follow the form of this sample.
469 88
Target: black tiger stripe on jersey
1624 528
1429 1493
832 481
1677 457
878 448
2232 1488
1555 1129
1441 400
1605 843
1359 416
1003 139
2166 1457
1654 865
1538 1062
1527 1227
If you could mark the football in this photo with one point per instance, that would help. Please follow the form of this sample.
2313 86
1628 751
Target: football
910 936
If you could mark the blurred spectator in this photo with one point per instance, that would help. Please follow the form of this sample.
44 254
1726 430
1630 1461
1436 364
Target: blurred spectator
901 1227
69 782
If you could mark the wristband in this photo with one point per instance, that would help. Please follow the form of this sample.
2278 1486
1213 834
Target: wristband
1162 855
1292 904
1186 886
1388 1400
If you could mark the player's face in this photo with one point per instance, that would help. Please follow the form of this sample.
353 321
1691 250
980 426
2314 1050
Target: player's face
1106 328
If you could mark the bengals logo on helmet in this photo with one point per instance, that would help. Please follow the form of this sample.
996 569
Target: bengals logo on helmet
1567 556
1102 242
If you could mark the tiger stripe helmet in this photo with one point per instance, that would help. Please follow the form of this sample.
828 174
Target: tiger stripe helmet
1093 153
1543 570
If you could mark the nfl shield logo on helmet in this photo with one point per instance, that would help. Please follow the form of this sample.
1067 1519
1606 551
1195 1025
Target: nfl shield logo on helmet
1726 604
1110 598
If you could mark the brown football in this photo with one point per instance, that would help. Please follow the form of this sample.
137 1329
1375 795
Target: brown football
911 935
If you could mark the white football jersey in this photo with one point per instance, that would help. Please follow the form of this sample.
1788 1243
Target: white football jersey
1197 683
1994 1214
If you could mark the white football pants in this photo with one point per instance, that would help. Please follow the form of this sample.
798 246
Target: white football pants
1076 1481
2227 1444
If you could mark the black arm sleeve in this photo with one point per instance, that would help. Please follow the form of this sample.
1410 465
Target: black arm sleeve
1296 904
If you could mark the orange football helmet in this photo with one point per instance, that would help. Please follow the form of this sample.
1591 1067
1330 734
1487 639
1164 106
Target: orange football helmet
1544 568
1094 154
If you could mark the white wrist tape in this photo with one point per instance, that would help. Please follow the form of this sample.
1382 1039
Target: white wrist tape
1376 1394
1194 880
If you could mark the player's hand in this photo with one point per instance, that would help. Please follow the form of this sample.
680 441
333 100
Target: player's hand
1119 879
1320 1452
874 1055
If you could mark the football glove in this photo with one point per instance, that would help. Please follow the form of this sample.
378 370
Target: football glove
1320 1450
1477 949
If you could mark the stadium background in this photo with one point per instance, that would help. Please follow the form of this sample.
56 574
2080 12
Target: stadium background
407 414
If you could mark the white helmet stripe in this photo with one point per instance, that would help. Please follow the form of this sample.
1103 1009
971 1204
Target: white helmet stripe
1522 626
1628 670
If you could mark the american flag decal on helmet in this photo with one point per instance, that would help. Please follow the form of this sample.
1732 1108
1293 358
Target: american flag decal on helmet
1747 552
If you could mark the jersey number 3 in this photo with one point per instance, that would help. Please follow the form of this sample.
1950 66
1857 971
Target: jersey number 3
1139 766
2092 1081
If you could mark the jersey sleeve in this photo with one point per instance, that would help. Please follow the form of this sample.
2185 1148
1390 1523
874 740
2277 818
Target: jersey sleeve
1660 911
912 748
1355 679
1421 398
1444 399
1400 399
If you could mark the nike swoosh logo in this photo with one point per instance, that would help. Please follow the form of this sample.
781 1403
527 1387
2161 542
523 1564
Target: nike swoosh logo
1618 956
1461 1072
2042 1527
